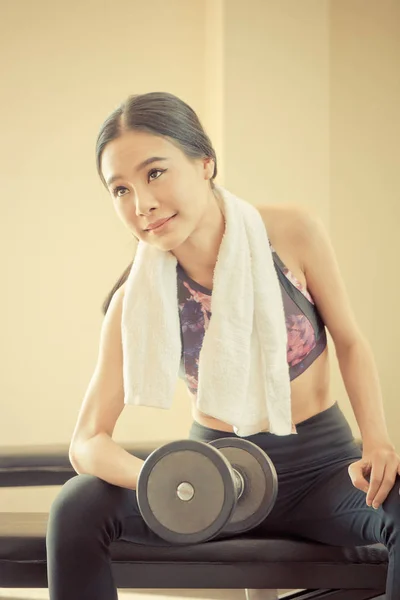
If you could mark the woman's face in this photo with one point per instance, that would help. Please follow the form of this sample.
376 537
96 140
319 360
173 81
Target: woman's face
149 179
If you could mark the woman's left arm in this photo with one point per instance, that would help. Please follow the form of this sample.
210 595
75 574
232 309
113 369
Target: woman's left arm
379 462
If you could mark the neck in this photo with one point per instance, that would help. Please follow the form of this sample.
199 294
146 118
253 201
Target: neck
198 254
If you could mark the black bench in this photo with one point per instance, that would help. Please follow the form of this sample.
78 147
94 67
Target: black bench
246 562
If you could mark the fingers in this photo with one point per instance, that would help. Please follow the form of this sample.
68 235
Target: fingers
356 472
382 476
376 480
376 498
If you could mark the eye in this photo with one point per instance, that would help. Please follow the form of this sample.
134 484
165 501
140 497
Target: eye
116 191
161 171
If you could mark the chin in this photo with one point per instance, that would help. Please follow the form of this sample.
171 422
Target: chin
171 242
168 246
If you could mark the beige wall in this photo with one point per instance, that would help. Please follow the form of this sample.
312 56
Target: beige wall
277 101
301 101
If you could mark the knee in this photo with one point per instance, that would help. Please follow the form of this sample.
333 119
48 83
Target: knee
391 508
79 508
392 503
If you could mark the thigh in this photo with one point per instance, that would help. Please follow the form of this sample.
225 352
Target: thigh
134 528
89 506
335 512
131 527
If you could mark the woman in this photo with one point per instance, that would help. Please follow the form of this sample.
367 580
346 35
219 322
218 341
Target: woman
159 167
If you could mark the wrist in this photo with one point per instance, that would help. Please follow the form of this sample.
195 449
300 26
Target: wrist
373 441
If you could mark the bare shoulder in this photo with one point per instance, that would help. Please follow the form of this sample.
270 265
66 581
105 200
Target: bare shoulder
289 228
121 290
292 222
118 295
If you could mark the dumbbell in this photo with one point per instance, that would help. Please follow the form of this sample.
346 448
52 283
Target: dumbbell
189 492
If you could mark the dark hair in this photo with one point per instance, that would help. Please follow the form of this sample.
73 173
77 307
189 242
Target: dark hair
161 114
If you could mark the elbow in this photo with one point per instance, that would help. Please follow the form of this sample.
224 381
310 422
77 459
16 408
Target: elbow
355 344
73 455
81 453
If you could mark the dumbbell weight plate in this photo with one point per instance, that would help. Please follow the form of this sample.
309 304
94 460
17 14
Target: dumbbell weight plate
209 497
260 483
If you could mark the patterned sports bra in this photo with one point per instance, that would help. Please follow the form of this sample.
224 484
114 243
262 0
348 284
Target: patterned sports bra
305 329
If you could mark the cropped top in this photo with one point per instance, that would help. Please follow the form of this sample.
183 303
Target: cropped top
305 329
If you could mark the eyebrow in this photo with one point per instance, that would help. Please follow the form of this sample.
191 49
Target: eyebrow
142 165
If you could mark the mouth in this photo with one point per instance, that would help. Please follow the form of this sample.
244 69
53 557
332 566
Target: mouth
155 228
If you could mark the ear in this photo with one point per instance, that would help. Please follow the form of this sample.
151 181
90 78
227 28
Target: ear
208 167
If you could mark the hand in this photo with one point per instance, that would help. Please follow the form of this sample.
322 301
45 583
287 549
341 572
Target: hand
381 464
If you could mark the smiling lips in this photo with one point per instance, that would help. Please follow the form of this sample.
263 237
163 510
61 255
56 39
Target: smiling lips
158 223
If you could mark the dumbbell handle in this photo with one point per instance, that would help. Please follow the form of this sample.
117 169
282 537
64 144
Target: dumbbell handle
185 491
239 483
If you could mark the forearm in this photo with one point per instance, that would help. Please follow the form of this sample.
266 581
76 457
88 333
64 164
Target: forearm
104 458
360 376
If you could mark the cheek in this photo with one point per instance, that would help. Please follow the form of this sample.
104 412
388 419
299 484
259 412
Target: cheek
121 211
127 216
178 189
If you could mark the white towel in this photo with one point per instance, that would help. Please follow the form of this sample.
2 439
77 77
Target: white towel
243 377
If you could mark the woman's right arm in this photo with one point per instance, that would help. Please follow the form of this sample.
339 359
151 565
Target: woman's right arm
92 449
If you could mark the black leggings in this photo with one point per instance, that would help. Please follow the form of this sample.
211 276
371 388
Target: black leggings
316 501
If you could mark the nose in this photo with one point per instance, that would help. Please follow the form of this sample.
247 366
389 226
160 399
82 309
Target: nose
144 204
